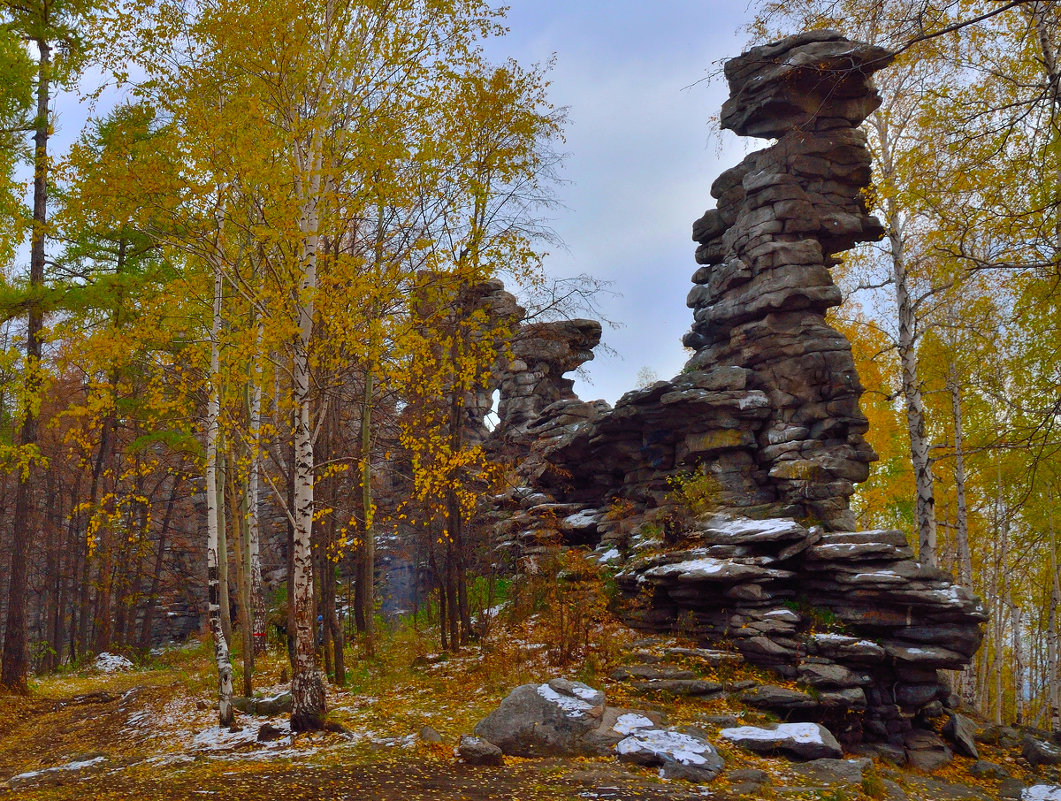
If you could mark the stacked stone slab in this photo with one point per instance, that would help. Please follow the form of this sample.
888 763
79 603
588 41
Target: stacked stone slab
534 377
782 214
850 615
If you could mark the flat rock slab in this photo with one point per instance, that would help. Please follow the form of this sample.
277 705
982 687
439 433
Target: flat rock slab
646 672
802 741
689 687
680 756
778 699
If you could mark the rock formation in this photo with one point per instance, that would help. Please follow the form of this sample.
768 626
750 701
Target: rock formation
764 423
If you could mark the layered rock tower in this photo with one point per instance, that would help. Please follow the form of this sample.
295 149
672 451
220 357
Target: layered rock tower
765 420
766 249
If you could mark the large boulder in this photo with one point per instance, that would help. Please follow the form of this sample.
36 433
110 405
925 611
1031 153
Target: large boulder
551 719
801 741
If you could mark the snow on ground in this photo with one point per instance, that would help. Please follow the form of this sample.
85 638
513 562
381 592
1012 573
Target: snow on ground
69 767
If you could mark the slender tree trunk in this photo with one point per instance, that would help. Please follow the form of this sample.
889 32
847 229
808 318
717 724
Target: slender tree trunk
241 549
222 548
1054 689
226 713
15 656
253 526
367 565
156 575
307 688
925 504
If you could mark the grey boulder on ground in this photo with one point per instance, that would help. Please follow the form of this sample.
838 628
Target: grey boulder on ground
680 756
477 751
551 719
801 741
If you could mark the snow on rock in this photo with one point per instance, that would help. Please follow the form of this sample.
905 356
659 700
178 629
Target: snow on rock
679 755
112 663
799 740
551 719
576 707
630 722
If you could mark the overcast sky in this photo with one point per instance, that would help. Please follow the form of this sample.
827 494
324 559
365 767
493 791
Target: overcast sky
640 160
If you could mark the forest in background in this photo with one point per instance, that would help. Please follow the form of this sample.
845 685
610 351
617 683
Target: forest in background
253 283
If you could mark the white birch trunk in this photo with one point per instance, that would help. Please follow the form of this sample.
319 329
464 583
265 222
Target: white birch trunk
925 505
253 524
226 714
307 686
1054 689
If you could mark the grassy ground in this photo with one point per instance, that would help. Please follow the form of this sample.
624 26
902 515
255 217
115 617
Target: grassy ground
152 733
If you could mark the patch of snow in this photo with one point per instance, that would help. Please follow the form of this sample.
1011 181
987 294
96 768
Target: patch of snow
800 732
1041 792
783 614
679 747
609 556
112 663
583 519
216 738
573 707
839 639
68 767
585 693
700 567
630 722
878 574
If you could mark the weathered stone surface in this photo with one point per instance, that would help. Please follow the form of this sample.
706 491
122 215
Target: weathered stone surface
803 741
279 704
791 83
991 770
477 751
553 718
778 699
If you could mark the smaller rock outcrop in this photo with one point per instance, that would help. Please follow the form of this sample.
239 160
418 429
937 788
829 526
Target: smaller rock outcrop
477 751
679 755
